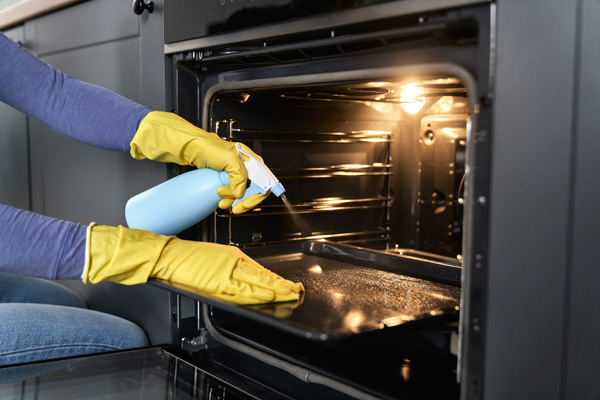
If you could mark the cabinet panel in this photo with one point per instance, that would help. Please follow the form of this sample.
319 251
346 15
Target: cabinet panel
14 169
14 153
77 182
104 43
85 24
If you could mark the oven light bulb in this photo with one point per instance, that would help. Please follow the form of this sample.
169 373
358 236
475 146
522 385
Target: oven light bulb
411 102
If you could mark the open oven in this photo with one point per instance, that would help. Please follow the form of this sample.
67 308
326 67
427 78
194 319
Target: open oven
374 118
440 166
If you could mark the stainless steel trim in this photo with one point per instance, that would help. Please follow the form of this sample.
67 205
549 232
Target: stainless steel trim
325 21
345 76
333 41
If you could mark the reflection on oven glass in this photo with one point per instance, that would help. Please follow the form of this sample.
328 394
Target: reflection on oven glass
254 16
150 373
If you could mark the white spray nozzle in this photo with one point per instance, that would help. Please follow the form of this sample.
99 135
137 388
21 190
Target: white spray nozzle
259 174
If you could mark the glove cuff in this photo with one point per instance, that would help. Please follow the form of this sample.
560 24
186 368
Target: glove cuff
86 266
167 137
122 255
148 139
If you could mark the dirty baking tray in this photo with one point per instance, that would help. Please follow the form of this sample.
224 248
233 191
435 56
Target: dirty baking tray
350 290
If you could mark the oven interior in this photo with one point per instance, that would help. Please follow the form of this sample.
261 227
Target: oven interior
370 223
379 164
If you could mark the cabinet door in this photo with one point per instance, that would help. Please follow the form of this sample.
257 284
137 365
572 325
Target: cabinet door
98 42
104 43
14 154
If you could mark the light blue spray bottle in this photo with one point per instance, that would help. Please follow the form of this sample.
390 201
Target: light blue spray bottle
187 199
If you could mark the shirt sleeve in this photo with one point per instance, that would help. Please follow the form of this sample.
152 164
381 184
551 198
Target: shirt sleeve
81 111
33 244
40 246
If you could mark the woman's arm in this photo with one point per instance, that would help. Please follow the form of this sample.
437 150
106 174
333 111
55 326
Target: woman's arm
44 247
79 110
32 244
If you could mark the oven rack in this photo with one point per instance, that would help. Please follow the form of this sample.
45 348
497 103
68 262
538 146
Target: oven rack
335 167
281 135
377 235
322 205
333 173
341 140
424 255
258 136
359 215
330 171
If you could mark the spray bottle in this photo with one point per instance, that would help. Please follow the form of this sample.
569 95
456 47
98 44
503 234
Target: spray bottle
185 200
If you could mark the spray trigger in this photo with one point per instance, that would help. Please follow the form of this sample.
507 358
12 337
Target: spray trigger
259 174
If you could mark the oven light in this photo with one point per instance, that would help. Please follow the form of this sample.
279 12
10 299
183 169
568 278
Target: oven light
411 102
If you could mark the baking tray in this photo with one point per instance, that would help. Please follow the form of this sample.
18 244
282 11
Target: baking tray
349 290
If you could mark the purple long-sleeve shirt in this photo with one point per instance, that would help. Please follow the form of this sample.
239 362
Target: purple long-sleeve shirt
33 244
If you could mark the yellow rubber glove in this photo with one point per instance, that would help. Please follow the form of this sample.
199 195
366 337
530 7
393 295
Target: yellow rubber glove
241 206
131 256
167 137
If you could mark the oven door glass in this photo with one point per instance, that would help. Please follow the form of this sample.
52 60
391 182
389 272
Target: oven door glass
150 373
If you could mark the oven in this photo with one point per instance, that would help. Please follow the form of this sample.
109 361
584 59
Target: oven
440 165
374 117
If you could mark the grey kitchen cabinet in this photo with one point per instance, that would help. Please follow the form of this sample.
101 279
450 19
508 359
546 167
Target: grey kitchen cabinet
104 43
14 150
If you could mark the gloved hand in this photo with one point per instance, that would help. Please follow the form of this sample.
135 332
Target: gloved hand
242 206
167 137
131 256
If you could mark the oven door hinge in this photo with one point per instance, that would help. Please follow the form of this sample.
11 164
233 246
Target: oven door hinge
196 344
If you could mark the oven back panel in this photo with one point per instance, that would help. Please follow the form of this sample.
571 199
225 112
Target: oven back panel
357 167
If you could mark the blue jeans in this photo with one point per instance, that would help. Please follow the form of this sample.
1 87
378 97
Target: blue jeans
41 319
